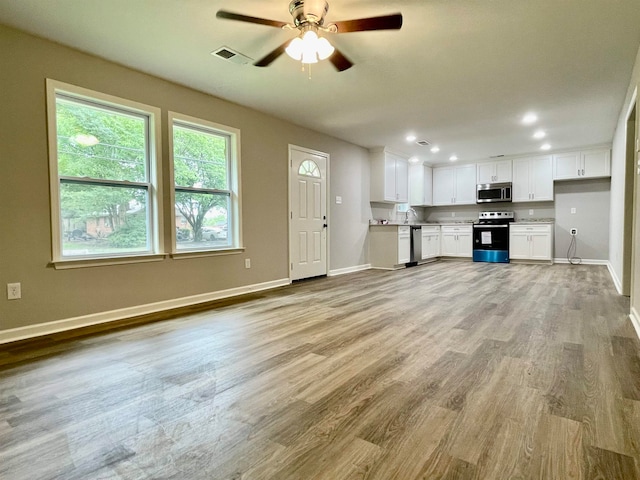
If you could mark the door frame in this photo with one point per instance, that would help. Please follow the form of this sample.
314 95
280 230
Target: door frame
629 199
310 151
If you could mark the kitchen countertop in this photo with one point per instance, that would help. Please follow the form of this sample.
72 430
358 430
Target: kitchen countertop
419 224
536 220
459 222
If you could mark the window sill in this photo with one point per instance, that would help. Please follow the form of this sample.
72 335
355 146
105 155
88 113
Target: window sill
100 262
206 253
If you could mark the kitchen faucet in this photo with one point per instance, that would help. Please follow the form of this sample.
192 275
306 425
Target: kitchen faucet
406 218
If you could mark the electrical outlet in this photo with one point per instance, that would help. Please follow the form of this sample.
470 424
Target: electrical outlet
573 231
14 292
531 211
573 210
453 214
247 263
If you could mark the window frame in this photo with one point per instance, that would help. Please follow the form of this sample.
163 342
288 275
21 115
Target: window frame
234 214
153 183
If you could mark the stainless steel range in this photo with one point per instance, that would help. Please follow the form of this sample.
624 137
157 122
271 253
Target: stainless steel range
491 237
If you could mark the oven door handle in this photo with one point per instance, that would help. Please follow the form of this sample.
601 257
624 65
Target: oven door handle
491 226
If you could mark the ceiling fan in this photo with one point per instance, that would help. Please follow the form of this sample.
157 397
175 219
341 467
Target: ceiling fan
309 19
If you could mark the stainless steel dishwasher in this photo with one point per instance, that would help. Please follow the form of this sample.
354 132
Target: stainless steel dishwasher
416 245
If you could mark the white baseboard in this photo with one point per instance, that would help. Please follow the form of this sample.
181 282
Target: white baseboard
635 320
342 271
616 281
584 261
57 326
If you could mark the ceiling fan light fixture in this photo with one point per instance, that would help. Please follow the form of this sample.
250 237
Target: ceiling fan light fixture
325 49
295 48
309 56
309 48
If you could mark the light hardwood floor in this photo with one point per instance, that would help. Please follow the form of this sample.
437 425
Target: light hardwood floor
444 371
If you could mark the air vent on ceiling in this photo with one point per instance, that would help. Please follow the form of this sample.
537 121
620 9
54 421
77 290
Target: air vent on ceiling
423 143
232 56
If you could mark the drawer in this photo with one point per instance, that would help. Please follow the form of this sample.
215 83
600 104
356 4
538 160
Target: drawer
457 229
404 231
530 228
430 230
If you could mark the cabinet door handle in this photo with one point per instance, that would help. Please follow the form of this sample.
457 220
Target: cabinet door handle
583 172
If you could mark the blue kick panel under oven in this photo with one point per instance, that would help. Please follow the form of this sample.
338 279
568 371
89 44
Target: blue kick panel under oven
491 237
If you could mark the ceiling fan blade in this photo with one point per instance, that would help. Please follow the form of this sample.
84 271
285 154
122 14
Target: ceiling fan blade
270 57
245 18
339 61
386 22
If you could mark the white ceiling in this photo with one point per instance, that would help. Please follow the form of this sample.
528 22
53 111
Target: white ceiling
460 73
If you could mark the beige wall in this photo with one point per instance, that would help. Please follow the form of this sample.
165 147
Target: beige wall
25 238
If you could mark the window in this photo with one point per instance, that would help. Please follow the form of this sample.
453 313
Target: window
104 181
205 165
309 168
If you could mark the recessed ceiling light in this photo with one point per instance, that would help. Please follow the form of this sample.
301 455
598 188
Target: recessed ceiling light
411 138
546 146
435 149
529 118
539 134
414 159
453 158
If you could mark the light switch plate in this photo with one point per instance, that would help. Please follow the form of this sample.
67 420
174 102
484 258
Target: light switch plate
338 200
14 291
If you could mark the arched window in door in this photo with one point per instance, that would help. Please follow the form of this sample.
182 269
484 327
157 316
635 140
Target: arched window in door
309 168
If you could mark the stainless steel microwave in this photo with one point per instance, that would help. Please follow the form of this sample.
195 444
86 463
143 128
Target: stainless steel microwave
493 192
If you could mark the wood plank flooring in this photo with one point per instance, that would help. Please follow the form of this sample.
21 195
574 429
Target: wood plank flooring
454 370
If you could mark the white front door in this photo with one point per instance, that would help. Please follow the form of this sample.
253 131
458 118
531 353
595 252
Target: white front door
308 216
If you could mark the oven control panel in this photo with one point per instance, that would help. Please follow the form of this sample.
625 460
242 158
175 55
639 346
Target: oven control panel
504 216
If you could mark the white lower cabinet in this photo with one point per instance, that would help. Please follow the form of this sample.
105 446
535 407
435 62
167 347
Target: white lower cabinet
430 242
456 241
389 246
531 242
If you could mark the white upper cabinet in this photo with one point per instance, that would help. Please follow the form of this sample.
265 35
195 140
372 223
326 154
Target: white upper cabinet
420 186
454 185
533 179
389 177
495 172
585 164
